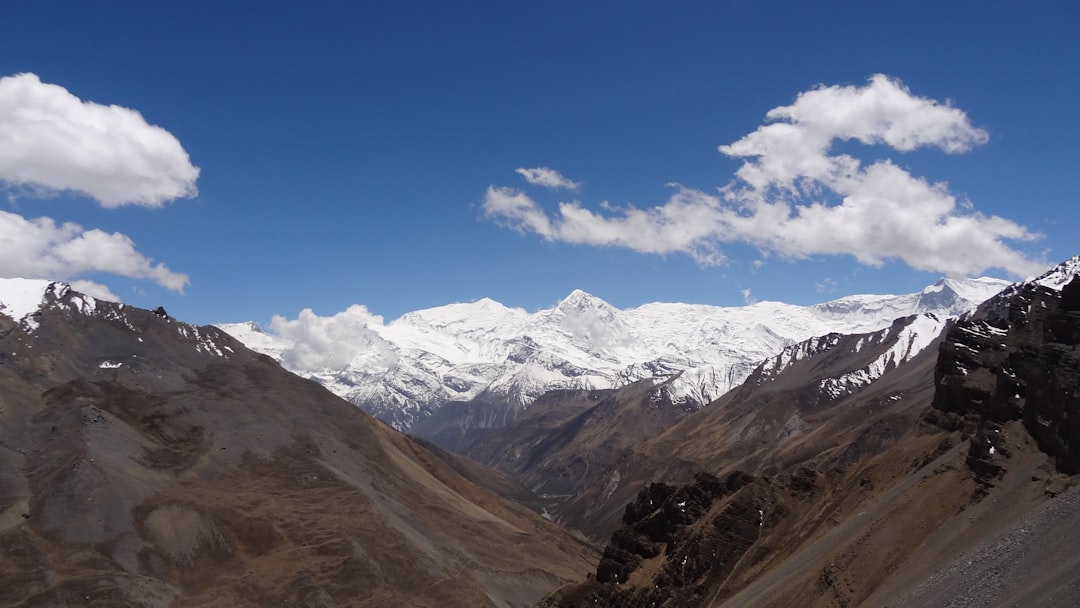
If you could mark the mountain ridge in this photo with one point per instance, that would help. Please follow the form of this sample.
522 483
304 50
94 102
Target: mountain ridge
458 352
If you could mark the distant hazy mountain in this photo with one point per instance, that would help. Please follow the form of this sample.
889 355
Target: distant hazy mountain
506 358
152 463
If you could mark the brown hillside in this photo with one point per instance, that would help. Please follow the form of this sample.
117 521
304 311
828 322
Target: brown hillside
146 462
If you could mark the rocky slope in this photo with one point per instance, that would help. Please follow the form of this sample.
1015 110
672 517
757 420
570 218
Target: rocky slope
948 479
491 361
148 462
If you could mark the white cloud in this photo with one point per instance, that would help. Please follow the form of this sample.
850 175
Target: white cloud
548 178
99 291
682 225
748 297
335 341
41 248
793 199
50 140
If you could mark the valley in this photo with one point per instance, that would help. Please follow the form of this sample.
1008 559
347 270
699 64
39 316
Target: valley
148 462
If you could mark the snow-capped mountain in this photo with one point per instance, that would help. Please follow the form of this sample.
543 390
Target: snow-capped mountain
24 300
426 359
881 351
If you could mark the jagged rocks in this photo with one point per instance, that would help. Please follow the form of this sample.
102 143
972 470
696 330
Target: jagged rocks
653 523
1016 359
686 545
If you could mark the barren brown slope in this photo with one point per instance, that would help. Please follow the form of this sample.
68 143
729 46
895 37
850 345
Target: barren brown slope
146 462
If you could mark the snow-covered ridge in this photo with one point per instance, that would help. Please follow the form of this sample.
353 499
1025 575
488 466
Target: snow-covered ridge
903 345
20 298
404 369
23 299
886 349
1057 277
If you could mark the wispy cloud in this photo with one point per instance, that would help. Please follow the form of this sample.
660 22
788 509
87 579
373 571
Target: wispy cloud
41 248
548 178
793 198
826 285
50 140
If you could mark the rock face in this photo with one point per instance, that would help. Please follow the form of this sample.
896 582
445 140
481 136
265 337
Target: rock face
148 462
1017 358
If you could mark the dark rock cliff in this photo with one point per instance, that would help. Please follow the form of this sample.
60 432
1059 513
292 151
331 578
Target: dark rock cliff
1015 359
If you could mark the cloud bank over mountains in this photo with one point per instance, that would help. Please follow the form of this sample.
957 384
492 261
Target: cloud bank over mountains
334 341
41 248
51 142
794 197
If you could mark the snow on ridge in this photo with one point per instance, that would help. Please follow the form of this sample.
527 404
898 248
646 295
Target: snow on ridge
20 298
976 290
460 351
1057 277
915 337
253 336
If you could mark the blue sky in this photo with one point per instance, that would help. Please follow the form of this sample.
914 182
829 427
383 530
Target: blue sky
326 154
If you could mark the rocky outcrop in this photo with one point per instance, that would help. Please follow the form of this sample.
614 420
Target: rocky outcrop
692 544
1017 358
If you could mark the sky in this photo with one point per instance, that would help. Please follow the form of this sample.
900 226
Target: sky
240 161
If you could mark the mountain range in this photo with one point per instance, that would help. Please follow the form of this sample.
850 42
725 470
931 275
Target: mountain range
484 362
930 458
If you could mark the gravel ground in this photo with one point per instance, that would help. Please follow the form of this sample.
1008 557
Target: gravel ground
1033 563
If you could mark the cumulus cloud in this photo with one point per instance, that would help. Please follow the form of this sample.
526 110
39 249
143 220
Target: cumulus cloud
41 248
50 140
334 341
793 198
548 178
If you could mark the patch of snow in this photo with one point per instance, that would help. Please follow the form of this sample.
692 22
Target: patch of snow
20 298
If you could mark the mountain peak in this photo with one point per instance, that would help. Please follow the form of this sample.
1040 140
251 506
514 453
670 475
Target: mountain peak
956 296
1056 277
581 300
22 297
